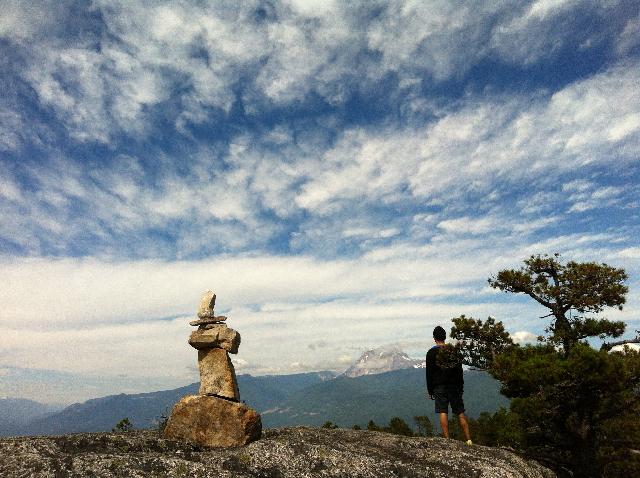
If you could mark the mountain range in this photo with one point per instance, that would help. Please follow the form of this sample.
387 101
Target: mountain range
17 413
283 400
383 383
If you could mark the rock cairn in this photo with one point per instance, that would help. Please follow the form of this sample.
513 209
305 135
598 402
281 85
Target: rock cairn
214 342
215 417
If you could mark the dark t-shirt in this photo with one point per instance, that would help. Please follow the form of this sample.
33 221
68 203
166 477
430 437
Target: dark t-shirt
437 375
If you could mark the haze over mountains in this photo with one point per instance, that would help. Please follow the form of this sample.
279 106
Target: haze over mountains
16 413
380 385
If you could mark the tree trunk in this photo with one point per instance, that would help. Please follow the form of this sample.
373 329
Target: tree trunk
586 462
563 331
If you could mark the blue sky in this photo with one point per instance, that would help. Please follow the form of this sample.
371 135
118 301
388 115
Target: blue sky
343 174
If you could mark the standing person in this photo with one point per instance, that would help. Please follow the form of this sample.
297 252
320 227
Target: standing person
445 385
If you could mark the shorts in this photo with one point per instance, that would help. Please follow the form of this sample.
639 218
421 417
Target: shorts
448 395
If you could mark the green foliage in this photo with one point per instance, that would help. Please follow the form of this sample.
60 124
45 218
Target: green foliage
123 425
620 450
568 409
356 427
572 406
398 426
163 420
329 425
478 342
502 428
425 427
349 401
583 287
373 427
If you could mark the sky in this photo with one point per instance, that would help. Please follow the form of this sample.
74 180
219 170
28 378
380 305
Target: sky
344 175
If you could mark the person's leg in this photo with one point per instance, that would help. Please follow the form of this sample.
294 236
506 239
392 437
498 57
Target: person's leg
444 424
464 424
442 408
457 407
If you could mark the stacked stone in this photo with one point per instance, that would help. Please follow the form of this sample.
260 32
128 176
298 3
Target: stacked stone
214 418
214 342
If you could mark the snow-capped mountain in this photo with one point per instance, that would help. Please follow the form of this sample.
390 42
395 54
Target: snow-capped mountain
382 360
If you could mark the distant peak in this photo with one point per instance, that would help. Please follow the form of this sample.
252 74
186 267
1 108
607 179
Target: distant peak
380 360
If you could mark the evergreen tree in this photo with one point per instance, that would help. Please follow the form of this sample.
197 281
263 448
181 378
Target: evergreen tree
398 426
371 426
569 291
123 425
576 407
425 427
330 425
502 428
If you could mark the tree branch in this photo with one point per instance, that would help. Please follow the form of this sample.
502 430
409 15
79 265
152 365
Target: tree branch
610 345
531 294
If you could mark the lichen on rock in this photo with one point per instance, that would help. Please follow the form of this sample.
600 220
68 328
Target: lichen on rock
283 453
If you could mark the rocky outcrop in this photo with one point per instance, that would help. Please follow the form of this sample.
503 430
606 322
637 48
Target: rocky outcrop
281 453
212 422
214 418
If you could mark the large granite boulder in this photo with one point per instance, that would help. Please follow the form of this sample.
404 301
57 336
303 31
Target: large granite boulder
213 422
217 375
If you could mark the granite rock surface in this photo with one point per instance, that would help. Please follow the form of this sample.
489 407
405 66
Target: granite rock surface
213 422
281 453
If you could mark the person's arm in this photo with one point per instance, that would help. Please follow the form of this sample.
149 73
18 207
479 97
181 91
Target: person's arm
460 377
430 363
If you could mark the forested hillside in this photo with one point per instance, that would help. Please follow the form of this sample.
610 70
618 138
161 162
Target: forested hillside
283 400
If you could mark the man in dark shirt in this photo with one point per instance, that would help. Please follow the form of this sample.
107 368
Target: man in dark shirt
445 384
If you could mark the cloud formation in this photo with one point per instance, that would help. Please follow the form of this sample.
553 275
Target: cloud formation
360 167
124 63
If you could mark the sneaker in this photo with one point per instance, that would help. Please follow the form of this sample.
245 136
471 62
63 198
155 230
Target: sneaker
469 442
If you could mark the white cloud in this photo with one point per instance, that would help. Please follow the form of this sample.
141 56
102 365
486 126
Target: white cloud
621 348
630 252
292 49
511 139
466 225
524 337
11 125
542 28
24 20
626 125
109 315
462 165
586 195
630 36
398 224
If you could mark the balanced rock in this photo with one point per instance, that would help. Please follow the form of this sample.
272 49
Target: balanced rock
207 303
215 336
209 320
217 375
213 422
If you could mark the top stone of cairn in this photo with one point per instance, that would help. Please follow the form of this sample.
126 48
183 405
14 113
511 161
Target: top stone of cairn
207 303
206 314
